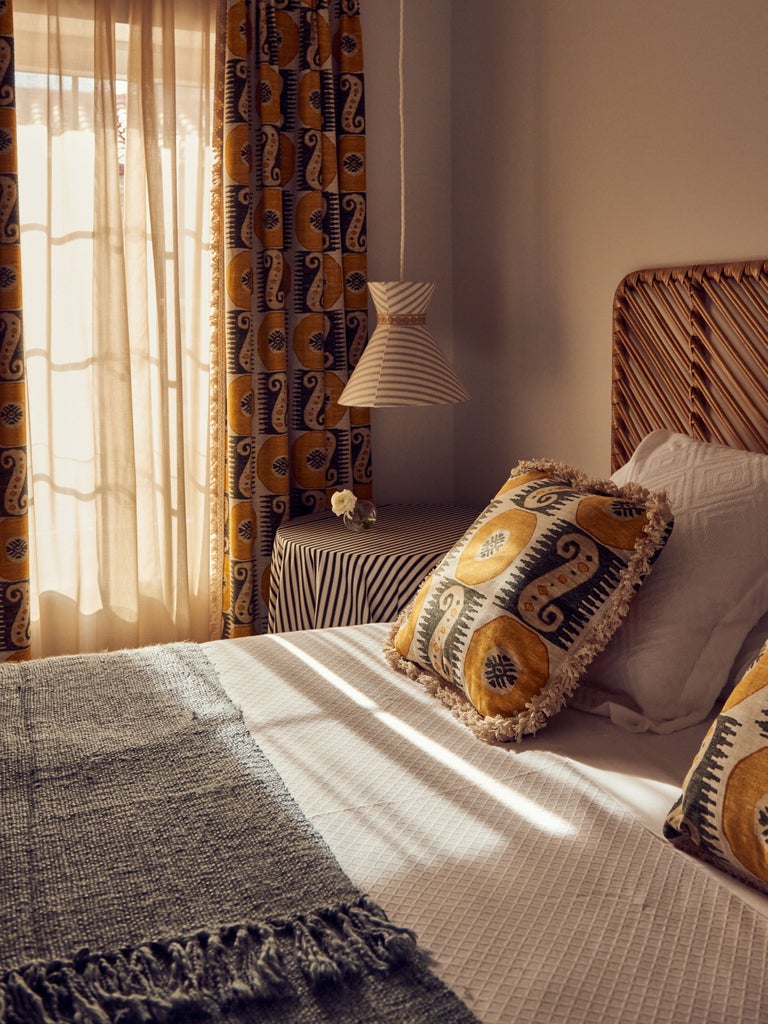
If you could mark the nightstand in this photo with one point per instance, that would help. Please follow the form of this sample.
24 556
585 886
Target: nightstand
325 575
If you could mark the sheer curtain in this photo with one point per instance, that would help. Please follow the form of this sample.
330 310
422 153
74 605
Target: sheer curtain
114 106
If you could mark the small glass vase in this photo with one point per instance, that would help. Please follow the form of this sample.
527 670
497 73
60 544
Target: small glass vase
361 517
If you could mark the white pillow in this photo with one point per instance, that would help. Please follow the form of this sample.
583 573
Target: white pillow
666 666
751 649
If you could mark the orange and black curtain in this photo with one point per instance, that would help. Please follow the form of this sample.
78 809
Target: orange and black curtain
14 543
293 291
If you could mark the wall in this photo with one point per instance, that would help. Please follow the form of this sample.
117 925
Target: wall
413 455
590 138
552 146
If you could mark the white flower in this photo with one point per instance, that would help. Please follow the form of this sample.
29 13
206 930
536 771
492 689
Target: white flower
343 501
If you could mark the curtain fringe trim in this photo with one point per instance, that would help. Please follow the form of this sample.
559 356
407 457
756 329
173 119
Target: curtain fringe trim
217 372
179 978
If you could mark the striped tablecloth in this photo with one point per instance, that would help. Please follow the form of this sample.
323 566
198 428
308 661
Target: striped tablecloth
325 575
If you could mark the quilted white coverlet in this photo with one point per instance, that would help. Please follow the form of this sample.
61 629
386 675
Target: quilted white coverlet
532 872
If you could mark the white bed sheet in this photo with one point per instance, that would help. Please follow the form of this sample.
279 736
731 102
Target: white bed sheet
420 814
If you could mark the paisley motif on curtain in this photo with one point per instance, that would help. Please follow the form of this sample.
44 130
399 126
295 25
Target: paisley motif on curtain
294 277
14 543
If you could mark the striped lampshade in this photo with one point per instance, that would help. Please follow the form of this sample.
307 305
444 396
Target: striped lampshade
401 364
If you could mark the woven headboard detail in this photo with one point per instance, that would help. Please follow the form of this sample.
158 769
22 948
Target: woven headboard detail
690 353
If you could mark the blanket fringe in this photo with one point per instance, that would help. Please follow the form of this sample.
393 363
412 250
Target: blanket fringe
184 978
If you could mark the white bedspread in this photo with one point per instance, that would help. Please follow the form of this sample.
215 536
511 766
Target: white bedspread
535 873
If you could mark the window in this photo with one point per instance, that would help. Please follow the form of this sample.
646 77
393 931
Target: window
114 123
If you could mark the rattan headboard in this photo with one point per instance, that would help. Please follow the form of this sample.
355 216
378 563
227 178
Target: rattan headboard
690 353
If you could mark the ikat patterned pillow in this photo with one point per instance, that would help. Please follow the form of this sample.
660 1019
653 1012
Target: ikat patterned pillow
509 620
722 814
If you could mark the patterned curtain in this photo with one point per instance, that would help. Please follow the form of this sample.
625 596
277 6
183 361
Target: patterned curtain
293 304
14 545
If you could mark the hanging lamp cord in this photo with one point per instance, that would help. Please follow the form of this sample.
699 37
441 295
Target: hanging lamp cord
402 143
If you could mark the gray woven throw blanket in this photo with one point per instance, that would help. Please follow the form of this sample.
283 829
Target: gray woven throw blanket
154 867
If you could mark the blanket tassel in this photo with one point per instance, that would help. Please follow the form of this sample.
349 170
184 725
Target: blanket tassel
184 978
337 944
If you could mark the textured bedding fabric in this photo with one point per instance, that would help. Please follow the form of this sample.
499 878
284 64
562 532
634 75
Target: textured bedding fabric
535 874
154 867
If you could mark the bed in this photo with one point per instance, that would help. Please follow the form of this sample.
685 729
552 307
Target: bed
549 879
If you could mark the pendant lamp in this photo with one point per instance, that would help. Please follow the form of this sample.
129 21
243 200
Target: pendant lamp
402 364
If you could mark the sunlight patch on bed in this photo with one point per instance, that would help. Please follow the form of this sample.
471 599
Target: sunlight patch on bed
532 812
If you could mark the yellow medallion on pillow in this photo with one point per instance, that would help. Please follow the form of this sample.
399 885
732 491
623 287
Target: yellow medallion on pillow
506 665
495 545
509 620
722 813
